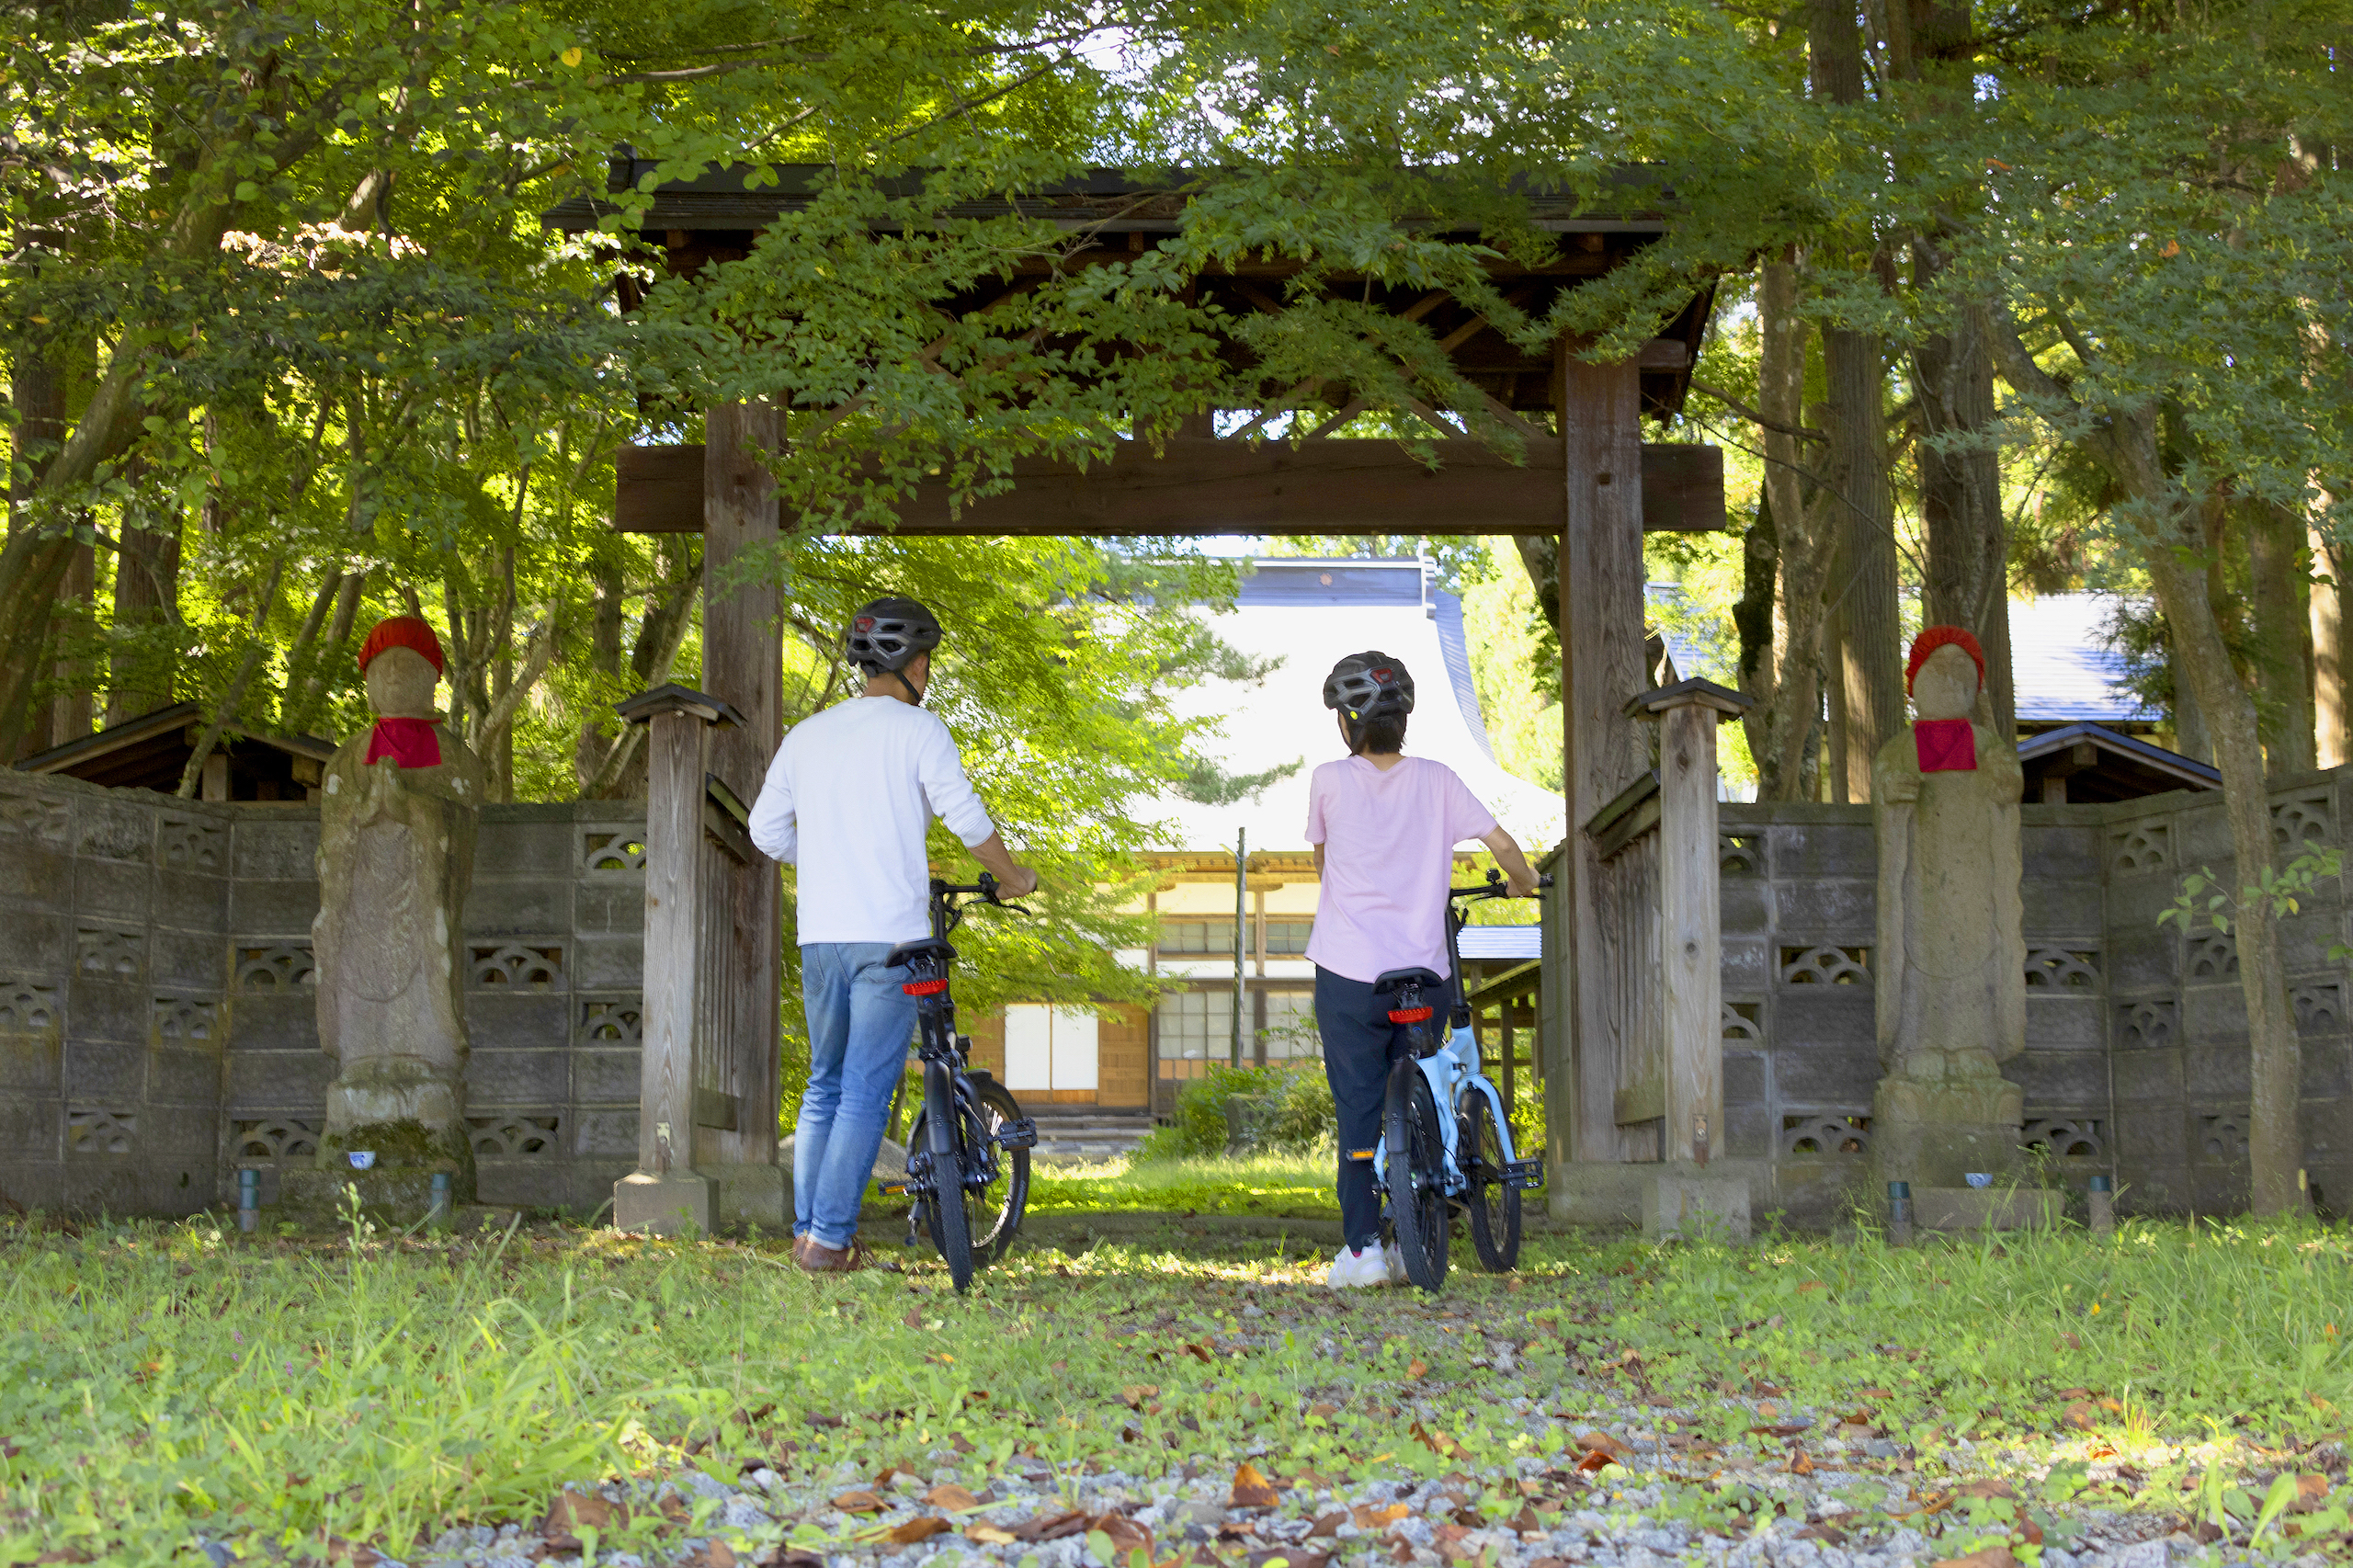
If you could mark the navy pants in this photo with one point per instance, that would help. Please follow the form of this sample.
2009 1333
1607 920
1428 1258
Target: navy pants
1360 1043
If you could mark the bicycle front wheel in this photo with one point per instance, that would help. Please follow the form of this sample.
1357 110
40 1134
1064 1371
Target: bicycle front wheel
1492 1201
1417 1174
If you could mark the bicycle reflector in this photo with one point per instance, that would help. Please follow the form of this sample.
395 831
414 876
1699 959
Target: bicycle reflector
1360 1153
923 988
1410 1014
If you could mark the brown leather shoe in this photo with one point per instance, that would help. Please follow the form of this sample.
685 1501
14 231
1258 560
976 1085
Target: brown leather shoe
800 1244
818 1259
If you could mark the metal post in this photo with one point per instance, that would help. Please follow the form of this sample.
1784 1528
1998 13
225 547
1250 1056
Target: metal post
1241 927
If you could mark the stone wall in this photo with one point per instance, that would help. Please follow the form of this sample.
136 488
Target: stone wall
157 1026
2136 1060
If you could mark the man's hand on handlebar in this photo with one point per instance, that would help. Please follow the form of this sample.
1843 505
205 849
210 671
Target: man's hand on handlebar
1013 881
1021 882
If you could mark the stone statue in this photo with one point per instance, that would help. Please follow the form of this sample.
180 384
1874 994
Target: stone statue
398 811
1951 967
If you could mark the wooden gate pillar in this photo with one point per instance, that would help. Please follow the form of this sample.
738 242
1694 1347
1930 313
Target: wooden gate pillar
1690 921
743 663
1601 668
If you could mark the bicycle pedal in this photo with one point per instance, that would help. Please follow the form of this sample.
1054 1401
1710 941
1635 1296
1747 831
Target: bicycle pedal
1020 1134
1525 1175
892 1188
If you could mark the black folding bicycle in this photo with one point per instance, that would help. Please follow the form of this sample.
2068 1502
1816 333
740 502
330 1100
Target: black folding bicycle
968 1154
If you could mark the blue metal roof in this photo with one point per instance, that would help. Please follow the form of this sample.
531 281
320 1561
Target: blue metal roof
1278 580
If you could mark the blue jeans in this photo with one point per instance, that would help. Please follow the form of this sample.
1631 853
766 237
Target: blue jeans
859 1025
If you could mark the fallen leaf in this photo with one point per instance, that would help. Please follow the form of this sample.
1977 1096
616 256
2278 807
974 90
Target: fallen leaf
1291 1558
715 1553
1328 1525
952 1498
1369 1518
570 1511
1252 1490
858 1503
1201 1353
1049 1526
1991 1486
1594 1460
1602 1442
2312 1490
988 1535
1124 1534
1134 1394
1811 1285
1830 1533
2069 1341
1801 1463
917 1530
2084 1414
914 1318
1416 1368
1324 1410
1775 1431
1438 1443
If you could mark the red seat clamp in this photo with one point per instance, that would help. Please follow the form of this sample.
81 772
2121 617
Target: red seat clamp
1411 1015
923 988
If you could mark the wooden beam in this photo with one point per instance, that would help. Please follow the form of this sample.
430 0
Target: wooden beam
1199 487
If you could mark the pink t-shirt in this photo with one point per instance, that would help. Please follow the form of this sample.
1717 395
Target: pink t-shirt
1388 842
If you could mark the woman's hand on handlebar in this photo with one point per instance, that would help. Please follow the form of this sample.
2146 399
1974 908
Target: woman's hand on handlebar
1524 883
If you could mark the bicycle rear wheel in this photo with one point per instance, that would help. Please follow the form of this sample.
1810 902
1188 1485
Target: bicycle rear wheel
1492 1201
1417 1174
940 1138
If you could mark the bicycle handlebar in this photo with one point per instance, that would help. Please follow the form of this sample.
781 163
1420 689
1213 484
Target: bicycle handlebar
1492 887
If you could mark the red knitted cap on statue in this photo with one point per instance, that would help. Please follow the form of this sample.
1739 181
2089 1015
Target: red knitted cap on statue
1937 637
401 631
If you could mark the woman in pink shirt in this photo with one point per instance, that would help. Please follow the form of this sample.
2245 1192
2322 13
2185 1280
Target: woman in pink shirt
1384 826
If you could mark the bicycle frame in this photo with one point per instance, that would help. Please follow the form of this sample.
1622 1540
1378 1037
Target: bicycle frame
949 1101
1452 1069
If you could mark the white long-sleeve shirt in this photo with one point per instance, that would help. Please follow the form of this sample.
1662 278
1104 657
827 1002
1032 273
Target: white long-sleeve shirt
848 798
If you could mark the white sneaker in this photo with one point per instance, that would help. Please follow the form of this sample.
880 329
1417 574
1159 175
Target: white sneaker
1350 1269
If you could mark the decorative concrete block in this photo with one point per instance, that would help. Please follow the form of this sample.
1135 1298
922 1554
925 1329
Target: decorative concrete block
2305 939
2061 1020
500 1019
29 1063
608 963
107 1010
516 906
2141 955
114 890
606 1077
523 1184
1748 1132
1839 906
191 901
611 1134
283 908
33 1127
2148 1077
1962 1208
38 942
543 849
1690 1201
2327 1068
2062 852
113 829
184 1078
516 1078
105 1073
292 1082
37 874
1745 1077
2218 1073
277 850
664 1205
2061 913
186 1134
273 1022
1803 851
1825 1074
618 908
2059 1077
187 960
1744 906
1747 966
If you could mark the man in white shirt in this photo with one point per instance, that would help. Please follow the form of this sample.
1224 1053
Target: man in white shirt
848 800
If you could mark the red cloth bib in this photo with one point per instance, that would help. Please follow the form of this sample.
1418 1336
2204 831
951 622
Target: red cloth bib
412 742
1945 745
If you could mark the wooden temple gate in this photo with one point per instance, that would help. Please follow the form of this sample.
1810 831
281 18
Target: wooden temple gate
1588 479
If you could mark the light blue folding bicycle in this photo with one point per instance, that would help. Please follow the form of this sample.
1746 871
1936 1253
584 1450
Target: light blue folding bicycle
1444 1142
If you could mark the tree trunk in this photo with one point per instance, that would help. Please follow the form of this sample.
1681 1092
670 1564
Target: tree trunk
146 608
73 621
1870 671
1752 618
1966 579
2329 708
1804 537
2283 629
595 735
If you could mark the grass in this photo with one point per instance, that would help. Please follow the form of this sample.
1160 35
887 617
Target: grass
1283 1186
162 1383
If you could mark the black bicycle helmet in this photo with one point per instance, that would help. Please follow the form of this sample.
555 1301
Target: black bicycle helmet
889 633
1369 685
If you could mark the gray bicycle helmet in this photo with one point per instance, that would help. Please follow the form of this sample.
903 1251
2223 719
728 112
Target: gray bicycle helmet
889 633
1369 685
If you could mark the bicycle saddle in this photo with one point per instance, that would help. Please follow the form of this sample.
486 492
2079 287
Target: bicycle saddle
907 952
1397 978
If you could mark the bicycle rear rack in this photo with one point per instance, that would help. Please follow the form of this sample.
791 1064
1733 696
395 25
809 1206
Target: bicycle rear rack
1525 1175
